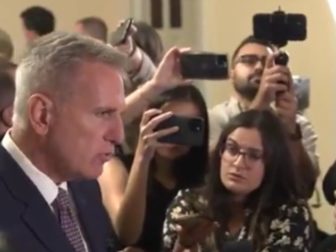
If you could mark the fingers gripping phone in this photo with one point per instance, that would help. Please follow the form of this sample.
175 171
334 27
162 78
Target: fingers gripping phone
119 36
194 220
209 66
191 130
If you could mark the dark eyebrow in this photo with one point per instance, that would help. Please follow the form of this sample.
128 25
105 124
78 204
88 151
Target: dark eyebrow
229 139
105 109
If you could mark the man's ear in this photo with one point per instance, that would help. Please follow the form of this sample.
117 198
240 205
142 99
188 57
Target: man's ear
40 113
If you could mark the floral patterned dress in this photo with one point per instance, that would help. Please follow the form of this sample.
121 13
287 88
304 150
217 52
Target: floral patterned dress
289 230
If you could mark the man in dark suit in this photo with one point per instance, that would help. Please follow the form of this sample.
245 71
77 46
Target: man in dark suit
66 123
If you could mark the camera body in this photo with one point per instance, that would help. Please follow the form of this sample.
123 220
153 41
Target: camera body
190 133
209 66
279 27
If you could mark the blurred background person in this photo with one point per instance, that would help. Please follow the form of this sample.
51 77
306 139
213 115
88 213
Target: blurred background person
6 46
94 27
36 22
7 92
8 66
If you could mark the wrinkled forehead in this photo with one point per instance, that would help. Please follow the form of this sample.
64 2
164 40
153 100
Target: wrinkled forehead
255 49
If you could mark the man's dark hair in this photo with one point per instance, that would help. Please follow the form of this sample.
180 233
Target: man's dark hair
250 40
95 27
38 19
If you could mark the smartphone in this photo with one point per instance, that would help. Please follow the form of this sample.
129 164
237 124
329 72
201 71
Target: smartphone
193 220
301 86
119 36
279 27
209 66
190 133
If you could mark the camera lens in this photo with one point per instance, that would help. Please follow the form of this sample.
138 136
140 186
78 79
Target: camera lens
221 61
195 125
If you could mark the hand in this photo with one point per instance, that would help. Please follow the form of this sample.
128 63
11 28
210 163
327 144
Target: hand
274 80
191 235
128 46
286 108
130 49
168 74
147 142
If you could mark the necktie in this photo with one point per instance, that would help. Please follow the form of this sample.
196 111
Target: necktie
68 220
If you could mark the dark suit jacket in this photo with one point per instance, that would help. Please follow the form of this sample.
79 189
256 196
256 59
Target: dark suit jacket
30 225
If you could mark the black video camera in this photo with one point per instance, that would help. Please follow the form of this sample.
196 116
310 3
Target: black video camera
279 28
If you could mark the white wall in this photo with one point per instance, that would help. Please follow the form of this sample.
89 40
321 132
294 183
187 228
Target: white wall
65 11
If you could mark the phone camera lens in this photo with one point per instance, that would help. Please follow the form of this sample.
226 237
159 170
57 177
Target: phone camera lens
195 126
221 61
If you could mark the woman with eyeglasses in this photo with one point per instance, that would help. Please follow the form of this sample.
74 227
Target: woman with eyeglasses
250 201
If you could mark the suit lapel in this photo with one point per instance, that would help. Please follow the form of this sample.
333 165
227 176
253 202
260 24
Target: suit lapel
36 213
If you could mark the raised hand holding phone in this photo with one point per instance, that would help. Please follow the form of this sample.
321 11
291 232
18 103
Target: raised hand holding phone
191 130
193 229
119 36
148 138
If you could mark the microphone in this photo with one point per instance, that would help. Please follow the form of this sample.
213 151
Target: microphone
329 184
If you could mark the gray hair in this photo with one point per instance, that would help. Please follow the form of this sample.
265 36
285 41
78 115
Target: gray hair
51 63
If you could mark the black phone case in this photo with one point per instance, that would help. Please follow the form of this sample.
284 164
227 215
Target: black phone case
119 36
191 130
204 66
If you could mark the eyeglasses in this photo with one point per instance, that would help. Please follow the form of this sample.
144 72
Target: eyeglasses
231 151
251 59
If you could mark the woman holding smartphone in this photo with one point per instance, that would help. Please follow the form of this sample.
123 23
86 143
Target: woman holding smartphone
138 190
250 202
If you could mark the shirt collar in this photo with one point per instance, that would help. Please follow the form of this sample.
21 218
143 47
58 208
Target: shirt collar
44 184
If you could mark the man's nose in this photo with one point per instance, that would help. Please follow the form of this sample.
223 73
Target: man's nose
116 133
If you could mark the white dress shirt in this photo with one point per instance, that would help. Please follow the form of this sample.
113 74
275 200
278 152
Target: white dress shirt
44 184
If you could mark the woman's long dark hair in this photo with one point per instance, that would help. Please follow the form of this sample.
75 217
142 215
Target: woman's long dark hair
189 170
149 40
279 185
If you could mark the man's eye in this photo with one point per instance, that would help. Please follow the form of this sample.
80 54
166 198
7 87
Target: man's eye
104 114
